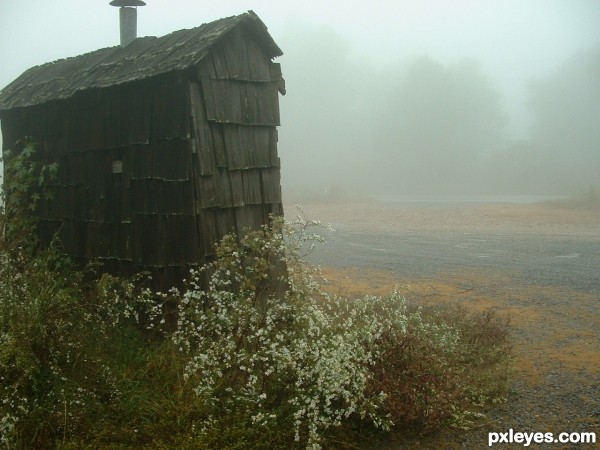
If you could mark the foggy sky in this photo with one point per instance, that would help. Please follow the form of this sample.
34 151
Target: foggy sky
513 40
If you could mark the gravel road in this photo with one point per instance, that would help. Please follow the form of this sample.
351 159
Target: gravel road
537 263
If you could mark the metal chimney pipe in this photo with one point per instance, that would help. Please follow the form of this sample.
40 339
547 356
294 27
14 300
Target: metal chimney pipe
128 19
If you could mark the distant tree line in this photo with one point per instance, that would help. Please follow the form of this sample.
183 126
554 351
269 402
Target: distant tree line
422 127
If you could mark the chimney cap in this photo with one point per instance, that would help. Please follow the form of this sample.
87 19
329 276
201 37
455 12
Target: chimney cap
123 3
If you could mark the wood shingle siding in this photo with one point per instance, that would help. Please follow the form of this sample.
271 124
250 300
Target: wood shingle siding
163 146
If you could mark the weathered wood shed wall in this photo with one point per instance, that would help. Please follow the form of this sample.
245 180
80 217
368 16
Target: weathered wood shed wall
163 146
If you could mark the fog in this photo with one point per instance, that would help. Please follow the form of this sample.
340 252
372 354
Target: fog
394 98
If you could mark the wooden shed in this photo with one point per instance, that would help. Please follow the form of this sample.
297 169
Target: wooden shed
164 145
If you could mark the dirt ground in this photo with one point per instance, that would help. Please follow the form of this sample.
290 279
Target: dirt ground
538 264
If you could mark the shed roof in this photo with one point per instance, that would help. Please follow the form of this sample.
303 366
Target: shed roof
143 58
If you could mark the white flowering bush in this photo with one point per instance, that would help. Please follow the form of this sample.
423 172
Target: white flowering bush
264 342
258 341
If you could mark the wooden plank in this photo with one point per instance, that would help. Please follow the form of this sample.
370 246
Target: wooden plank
231 99
143 158
208 191
236 55
237 188
170 111
250 217
139 110
225 222
207 230
111 119
147 247
180 240
231 55
57 147
206 67
263 152
108 242
155 196
175 197
79 126
62 203
104 134
56 124
123 234
232 146
123 115
161 120
79 235
125 214
271 185
219 62
98 209
75 209
252 187
167 160
251 100
128 164
224 192
73 168
202 132
210 98
258 61
142 191
219 144
36 124
97 131
239 57
69 239
172 159
169 196
97 171
95 241
247 145
244 103
189 200
268 101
